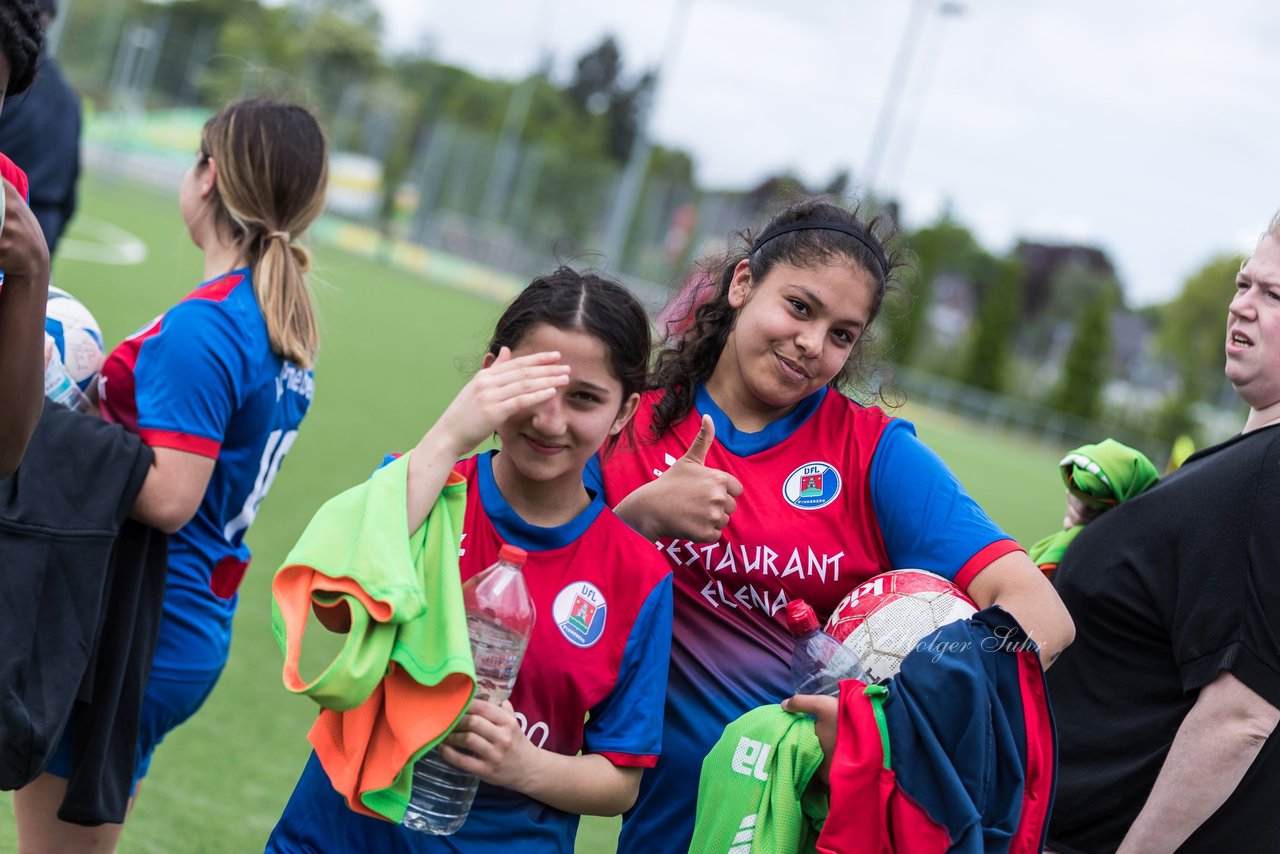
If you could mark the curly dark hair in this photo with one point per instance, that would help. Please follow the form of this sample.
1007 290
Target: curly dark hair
21 38
690 354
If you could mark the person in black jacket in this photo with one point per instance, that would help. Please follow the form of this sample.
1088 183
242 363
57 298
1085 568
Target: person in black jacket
82 589
41 133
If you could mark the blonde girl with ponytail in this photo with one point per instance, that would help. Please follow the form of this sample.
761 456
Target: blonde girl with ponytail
217 387
269 188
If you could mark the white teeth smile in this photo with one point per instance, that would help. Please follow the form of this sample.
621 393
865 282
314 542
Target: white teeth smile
1241 340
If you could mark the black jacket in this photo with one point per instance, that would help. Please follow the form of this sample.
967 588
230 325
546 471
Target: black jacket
81 590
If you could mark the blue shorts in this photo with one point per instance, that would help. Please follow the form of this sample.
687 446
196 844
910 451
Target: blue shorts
165 705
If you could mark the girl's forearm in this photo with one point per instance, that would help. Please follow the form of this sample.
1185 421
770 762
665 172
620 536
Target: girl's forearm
429 466
586 784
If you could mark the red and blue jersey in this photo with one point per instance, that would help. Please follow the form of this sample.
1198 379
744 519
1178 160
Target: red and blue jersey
202 378
601 639
593 679
833 493
12 173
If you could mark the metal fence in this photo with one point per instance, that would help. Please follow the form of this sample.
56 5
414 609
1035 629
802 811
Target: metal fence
1055 430
496 198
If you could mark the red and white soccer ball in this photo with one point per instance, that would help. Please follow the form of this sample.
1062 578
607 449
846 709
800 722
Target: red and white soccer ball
883 619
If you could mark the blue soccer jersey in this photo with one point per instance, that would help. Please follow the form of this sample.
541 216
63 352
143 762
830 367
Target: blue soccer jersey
202 378
833 493
593 678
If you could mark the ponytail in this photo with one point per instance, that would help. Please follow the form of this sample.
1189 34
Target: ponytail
285 301
272 173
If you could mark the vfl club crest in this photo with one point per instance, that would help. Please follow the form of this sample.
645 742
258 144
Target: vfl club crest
811 486
579 612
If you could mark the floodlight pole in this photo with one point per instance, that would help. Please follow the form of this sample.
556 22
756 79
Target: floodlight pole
623 211
498 190
947 9
893 94
508 148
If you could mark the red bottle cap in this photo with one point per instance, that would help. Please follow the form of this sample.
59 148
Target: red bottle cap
800 617
513 554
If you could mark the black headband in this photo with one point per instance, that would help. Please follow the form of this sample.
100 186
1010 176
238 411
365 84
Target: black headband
856 234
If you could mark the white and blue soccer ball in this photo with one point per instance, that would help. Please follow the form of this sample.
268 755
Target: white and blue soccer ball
76 337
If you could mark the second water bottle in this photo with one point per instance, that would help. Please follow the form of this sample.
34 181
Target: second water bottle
819 661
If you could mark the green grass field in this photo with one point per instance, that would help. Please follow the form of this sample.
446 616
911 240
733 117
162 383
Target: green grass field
395 350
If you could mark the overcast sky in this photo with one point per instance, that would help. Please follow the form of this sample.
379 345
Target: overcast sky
1149 129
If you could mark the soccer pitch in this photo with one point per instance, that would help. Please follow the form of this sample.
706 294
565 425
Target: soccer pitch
394 350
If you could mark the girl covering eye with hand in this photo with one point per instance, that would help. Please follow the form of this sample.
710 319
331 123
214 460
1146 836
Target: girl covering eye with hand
560 380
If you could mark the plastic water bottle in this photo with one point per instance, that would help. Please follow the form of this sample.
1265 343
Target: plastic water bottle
819 661
500 618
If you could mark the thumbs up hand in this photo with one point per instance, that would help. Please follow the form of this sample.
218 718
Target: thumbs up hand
702 442
691 500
